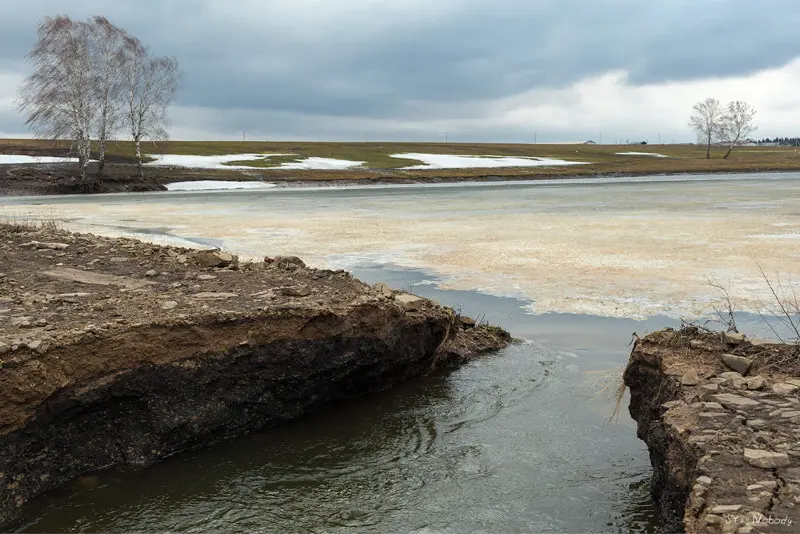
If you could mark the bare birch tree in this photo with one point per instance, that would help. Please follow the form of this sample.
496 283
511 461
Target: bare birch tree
107 67
737 124
150 85
92 76
57 98
706 121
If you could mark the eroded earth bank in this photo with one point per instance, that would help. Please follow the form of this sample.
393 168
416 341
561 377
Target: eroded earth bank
720 414
118 352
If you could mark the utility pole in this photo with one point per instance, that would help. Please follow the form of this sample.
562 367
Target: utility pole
366 137
445 138
244 135
534 138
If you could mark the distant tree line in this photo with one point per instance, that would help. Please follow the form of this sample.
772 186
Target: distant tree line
780 141
91 79
729 125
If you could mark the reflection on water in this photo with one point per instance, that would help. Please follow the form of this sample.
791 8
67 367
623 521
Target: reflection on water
515 442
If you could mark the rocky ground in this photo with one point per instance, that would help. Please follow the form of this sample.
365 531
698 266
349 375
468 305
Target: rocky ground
115 351
720 414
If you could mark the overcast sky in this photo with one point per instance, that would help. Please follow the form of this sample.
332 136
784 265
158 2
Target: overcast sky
482 70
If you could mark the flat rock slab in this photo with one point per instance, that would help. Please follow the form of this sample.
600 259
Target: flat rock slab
729 400
409 302
726 508
207 295
766 459
87 277
784 388
294 291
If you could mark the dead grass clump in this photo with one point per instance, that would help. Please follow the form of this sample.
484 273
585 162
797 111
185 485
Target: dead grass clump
18 225
784 308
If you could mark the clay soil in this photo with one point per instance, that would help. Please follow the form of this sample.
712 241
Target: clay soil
58 288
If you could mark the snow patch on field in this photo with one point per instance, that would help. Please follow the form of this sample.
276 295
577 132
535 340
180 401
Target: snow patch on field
12 159
651 154
204 162
216 185
321 164
221 162
447 161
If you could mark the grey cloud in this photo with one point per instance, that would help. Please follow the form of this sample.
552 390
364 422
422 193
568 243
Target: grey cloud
361 62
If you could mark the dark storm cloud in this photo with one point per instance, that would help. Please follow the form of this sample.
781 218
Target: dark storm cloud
372 59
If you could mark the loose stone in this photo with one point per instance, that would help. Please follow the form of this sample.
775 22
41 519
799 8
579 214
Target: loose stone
410 302
738 363
766 459
384 290
734 338
784 388
756 382
690 378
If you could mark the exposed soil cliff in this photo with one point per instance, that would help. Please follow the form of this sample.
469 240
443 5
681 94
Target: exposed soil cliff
721 417
114 351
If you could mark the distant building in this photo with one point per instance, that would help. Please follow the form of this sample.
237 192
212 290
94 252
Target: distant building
589 142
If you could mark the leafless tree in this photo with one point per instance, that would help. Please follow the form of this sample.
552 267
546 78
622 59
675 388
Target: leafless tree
737 124
57 98
706 121
91 77
150 85
107 56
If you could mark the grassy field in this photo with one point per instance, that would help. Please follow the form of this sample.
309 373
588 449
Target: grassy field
379 165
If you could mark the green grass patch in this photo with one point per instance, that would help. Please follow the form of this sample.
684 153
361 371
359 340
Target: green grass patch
265 163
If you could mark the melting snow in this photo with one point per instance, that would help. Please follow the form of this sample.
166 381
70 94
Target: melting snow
218 162
651 154
446 161
11 159
321 163
204 162
216 185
